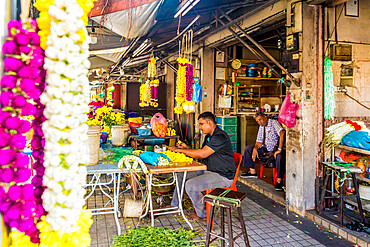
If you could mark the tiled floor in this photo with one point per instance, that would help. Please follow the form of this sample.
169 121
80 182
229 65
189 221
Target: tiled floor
265 225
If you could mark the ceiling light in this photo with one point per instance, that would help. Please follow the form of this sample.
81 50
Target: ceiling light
128 60
107 51
186 7
142 47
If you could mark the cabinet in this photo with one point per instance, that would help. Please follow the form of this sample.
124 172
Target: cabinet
229 124
252 93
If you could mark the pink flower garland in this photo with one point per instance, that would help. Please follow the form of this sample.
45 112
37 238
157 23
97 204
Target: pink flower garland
189 82
24 79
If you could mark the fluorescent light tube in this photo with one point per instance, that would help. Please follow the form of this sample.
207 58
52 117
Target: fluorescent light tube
190 7
108 51
184 6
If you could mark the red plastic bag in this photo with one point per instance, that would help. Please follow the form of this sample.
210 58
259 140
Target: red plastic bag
159 125
288 112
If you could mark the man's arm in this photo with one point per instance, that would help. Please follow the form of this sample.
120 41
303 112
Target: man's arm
194 153
281 142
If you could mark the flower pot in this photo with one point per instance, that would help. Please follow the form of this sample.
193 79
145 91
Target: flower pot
93 135
119 134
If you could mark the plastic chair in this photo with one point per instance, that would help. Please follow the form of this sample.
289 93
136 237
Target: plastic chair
238 160
274 173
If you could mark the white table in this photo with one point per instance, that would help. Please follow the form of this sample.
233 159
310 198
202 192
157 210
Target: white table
111 169
195 166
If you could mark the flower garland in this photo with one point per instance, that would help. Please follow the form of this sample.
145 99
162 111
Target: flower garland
110 100
184 87
152 70
22 84
145 93
62 25
154 92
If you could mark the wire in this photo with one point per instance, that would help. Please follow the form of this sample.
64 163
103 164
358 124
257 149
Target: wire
349 96
335 27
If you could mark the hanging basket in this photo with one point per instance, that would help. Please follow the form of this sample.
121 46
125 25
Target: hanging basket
120 134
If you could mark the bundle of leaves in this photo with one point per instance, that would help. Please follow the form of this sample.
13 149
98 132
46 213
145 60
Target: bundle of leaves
118 153
156 236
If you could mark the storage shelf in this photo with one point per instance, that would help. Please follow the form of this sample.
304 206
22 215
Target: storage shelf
257 78
362 151
351 199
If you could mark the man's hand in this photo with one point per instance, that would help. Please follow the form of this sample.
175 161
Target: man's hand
181 145
173 149
254 154
277 152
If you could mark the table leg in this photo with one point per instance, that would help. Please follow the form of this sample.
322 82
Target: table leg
359 203
115 199
180 194
149 191
341 204
150 200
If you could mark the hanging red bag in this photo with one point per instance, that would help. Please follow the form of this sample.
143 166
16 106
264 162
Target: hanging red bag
159 125
288 112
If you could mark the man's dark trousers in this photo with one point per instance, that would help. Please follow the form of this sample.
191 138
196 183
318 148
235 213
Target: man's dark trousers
249 163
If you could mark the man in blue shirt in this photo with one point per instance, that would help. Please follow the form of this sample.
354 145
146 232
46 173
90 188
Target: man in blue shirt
273 135
217 154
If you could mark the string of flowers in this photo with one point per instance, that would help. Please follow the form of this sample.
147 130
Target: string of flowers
22 85
152 69
188 104
66 98
184 87
145 93
154 92
110 99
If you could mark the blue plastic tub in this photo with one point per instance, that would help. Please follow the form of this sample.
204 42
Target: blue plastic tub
144 131
104 137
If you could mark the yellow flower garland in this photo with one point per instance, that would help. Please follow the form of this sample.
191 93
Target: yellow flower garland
145 94
181 86
152 70
80 238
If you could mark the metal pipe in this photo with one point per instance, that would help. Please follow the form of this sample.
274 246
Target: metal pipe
170 66
251 49
261 48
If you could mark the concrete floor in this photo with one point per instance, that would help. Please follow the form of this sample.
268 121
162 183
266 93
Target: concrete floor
266 221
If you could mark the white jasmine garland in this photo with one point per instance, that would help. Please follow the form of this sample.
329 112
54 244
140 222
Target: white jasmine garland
66 98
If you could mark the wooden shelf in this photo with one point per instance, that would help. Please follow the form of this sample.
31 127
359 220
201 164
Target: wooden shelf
250 86
362 151
351 199
256 78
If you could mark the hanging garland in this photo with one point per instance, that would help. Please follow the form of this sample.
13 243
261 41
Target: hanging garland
145 93
63 35
184 87
152 70
110 100
22 84
154 92
329 99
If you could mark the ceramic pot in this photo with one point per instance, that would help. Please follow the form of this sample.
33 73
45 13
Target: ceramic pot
119 134
93 135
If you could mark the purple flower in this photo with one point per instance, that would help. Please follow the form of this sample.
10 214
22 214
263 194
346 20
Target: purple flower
12 123
12 223
7 175
22 175
27 84
24 72
14 212
39 210
12 64
3 116
18 141
24 126
37 60
13 24
4 139
37 50
6 98
27 192
25 49
38 192
34 93
9 81
9 47
21 161
14 193
7 156
37 180
3 195
28 109
21 39
28 209
19 101
4 206
26 224
35 38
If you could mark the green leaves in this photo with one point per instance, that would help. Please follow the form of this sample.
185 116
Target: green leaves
158 237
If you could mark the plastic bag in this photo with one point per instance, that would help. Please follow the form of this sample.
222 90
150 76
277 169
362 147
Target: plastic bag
159 125
197 91
288 112
357 139
154 159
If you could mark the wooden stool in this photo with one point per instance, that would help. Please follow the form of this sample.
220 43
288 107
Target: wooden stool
221 197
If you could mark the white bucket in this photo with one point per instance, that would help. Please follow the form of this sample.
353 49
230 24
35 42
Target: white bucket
132 208
93 135
119 134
